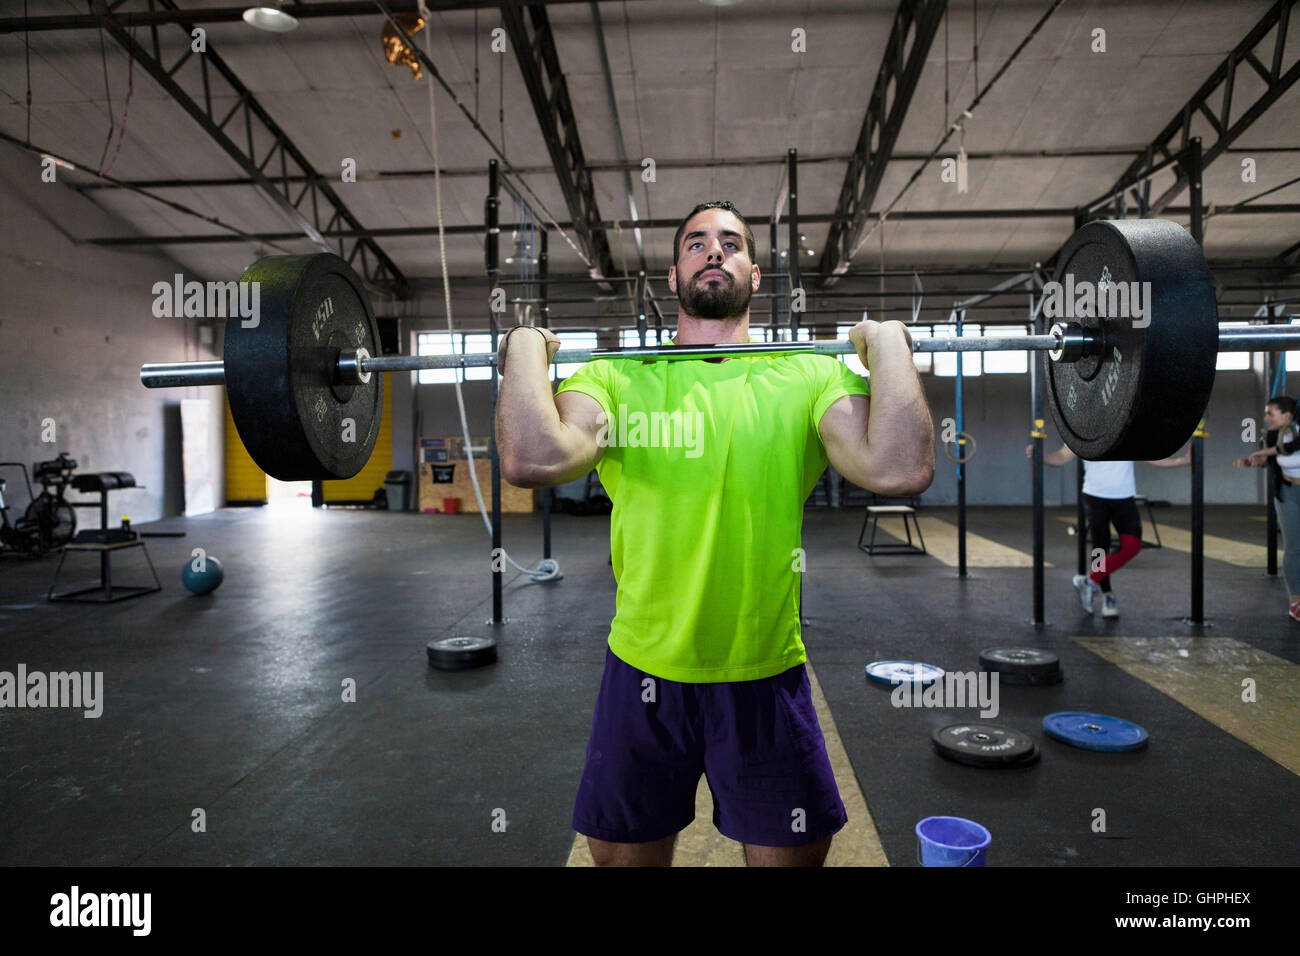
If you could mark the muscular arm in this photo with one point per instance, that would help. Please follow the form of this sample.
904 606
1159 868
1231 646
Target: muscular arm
895 455
543 439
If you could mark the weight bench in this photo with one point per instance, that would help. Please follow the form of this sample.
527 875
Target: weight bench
1144 501
105 540
873 516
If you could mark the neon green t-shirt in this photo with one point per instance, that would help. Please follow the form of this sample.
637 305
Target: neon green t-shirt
708 465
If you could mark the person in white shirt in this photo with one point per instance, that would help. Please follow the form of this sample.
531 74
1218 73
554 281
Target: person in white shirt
1283 456
1108 490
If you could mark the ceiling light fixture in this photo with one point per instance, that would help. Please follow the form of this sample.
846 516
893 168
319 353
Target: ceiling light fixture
270 17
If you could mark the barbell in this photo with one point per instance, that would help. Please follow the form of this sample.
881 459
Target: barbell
1129 378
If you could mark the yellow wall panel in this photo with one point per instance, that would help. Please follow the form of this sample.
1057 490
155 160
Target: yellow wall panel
362 485
245 482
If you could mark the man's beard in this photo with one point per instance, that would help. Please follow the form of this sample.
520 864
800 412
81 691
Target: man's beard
723 299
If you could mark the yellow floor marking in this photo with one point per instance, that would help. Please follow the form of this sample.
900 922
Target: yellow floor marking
941 543
1238 553
1206 676
702 845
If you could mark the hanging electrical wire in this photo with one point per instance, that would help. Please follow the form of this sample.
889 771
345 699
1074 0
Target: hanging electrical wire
473 121
547 569
126 107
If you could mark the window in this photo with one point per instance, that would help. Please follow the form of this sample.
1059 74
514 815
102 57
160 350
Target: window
1292 358
435 343
1240 361
1005 362
803 335
440 343
477 342
573 340
924 360
630 339
945 363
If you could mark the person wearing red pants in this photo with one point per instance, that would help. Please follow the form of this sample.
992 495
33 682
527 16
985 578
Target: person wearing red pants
1108 490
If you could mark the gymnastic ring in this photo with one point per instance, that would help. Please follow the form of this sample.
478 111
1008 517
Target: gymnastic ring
962 438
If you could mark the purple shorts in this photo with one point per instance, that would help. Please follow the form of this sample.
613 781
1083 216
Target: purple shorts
758 742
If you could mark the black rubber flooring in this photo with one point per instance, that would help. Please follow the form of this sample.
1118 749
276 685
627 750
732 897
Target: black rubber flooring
230 708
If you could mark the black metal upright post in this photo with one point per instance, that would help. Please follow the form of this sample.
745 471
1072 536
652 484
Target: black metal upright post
491 249
1080 518
1037 368
792 260
544 319
960 422
1080 513
1192 164
792 247
640 296
1270 480
773 303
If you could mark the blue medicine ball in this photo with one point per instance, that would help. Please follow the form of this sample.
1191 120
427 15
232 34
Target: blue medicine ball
201 582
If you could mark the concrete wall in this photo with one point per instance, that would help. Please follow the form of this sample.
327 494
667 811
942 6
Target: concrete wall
75 326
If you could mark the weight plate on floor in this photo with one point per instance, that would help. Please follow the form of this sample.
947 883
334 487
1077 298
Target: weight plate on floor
1095 732
903 672
461 653
1022 665
1142 396
297 420
1030 680
984 745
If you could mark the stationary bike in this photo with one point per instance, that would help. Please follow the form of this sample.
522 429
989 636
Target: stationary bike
49 521
21 535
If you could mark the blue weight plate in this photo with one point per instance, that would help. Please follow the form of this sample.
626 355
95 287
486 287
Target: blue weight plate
903 672
1095 732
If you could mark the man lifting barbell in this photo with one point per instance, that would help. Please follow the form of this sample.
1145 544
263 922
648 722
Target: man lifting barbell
704 670
1108 498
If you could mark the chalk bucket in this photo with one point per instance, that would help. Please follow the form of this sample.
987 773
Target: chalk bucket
450 506
951 841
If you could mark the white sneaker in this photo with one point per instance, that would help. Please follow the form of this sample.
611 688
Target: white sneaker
1109 606
1087 591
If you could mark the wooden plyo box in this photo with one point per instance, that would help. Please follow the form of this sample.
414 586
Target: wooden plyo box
444 473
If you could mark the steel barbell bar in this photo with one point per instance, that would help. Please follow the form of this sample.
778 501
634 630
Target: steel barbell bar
1065 343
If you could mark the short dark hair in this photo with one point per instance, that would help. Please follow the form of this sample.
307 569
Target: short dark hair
725 206
1285 404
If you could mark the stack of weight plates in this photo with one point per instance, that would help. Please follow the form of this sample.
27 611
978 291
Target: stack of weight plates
1022 665
979 744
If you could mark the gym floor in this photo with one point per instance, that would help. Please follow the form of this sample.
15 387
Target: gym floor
232 703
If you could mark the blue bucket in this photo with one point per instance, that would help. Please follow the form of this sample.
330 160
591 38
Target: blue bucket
951 841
